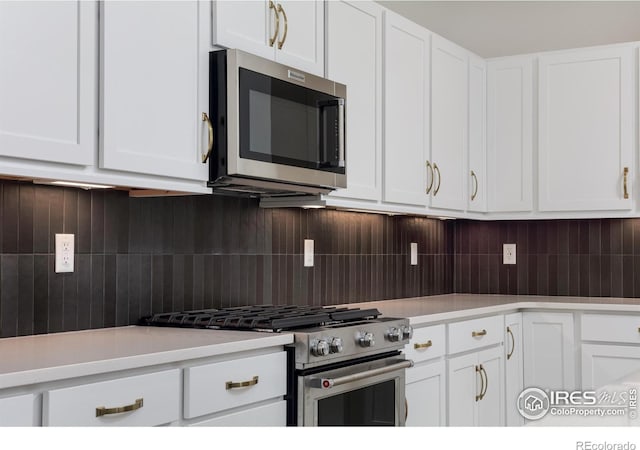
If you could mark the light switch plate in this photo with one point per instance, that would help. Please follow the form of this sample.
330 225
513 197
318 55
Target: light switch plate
308 253
508 253
414 253
64 252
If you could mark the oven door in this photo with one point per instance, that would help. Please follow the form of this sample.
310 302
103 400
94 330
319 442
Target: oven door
365 394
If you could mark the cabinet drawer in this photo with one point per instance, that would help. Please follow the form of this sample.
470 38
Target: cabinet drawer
159 395
475 333
611 328
17 411
219 386
272 415
426 343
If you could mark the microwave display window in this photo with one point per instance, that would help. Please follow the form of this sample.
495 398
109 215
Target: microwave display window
287 124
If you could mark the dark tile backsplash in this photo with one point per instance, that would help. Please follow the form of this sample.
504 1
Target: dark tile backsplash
137 256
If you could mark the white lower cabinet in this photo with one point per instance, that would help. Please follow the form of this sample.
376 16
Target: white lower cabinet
514 376
476 388
270 415
17 411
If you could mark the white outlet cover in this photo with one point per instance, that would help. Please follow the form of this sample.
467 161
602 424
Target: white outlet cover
308 253
508 253
65 249
414 253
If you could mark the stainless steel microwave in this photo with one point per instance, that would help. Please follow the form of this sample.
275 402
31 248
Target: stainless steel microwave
274 130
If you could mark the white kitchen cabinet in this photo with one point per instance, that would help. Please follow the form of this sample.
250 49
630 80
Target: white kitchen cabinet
406 112
449 124
549 350
289 32
476 388
510 134
426 395
585 129
477 175
48 81
154 88
269 415
514 376
355 28
18 411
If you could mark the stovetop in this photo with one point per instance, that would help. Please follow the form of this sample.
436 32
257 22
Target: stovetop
262 317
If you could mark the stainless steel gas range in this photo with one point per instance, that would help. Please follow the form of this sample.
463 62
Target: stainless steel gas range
346 366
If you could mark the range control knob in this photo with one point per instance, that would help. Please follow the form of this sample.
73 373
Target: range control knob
366 340
320 348
336 345
407 331
394 334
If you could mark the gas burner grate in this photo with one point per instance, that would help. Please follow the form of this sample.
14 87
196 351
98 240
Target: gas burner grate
260 317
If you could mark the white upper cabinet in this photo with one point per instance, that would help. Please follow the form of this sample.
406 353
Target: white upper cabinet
355 28
449 124
48 81
406 112
154 88
477 175
585 129
510 134
290 32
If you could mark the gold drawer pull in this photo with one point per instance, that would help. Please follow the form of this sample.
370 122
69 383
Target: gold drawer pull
424 345
626 174
478 333
241 384
102 411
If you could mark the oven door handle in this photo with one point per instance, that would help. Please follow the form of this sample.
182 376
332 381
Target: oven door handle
327 383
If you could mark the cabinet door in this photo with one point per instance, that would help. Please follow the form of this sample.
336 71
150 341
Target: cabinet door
449 104
406 111
464 385
426 395
477 176
604 364
269 415
491 405
303 45
585 130
154 88
246 25
355 28
48 81
17 411
514 377
509 134
549 353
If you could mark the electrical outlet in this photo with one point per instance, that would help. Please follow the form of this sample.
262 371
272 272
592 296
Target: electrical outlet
508 253
64 252
308 253
414 253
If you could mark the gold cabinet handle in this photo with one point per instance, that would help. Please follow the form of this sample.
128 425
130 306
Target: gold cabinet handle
286 26
486 382
626 175
102 411
406 409
435 167
478 333
475 189
423 345
272 39
205 157
513 343
241 384
479 396
429 176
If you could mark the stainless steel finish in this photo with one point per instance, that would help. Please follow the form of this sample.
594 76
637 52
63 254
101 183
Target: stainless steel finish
258 187
336 345
327 383
320 348
242 170
341 160
394 334
295 75
407 331
367 340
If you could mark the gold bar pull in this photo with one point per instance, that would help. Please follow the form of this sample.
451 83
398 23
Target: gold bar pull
205 157
429 176
626 174
423 345
478 333
102 411
485 383
272 39
475 188
479 396
513 343
286 26
437 169
241 384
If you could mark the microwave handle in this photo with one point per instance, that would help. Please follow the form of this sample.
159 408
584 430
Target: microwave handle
326 383
341 161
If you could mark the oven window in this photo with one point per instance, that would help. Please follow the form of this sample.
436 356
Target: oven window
372 405
287 124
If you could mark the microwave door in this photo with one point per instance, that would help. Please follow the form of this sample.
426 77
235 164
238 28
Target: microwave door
332 135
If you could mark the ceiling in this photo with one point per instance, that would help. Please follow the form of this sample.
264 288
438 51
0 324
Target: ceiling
502 28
